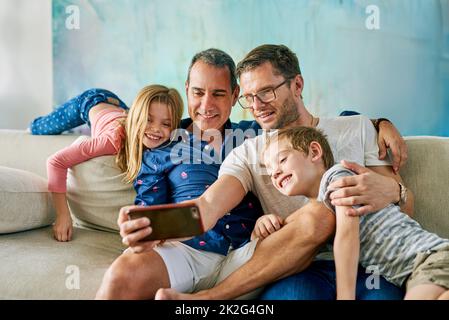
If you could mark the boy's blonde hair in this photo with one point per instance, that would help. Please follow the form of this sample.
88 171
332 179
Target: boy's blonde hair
129 158
300 139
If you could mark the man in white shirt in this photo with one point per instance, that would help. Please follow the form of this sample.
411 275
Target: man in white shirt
272 86
273 94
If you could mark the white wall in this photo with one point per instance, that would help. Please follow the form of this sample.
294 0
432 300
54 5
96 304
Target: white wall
25 61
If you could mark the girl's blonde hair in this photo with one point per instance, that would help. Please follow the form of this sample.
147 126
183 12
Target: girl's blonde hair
129 158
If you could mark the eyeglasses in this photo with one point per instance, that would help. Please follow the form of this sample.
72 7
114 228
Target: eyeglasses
264 96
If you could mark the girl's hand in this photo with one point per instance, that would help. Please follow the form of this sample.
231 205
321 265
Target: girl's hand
266 225
63 228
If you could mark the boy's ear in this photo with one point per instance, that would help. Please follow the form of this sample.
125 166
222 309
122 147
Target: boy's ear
315 151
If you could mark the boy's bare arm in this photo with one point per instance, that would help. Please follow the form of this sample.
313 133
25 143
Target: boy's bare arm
346 253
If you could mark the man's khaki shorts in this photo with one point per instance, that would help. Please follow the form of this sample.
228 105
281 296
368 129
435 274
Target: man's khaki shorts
431 267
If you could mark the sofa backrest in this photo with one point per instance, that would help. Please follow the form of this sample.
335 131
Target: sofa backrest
426 172
21 150
427 175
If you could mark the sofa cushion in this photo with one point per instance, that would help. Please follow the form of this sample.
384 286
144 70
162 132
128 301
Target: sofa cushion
24 201
36 266
96 192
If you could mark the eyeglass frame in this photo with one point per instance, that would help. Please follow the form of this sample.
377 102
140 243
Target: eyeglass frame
256 95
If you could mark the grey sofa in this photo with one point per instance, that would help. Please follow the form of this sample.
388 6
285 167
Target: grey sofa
35 266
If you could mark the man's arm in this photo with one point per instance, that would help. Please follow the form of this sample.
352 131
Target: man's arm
408 206
390 138
285 252
220 198
373 188
293 247
346 253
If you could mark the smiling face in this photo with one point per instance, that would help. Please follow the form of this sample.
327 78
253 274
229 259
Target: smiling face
209 96
158 128
277 114
292 171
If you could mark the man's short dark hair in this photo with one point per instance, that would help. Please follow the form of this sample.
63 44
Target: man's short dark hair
216 58
284 61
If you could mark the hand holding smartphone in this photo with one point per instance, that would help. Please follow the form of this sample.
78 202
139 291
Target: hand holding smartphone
170 221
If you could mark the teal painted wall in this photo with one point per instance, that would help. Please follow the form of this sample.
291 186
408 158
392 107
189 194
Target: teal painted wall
400 71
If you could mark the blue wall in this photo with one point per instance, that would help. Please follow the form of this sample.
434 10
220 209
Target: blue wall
400 71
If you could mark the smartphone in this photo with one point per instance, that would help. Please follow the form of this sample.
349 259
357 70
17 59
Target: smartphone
170 221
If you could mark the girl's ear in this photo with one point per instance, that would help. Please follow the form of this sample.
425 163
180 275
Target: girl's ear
315 151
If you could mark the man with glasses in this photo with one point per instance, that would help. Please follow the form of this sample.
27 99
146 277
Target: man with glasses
271 86
136 276
264 96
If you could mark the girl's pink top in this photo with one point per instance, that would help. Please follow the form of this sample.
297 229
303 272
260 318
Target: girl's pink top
106 139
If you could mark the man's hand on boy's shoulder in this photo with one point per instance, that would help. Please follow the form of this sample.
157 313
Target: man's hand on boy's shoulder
369 189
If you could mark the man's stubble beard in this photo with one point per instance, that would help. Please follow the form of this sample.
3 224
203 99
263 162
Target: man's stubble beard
288 114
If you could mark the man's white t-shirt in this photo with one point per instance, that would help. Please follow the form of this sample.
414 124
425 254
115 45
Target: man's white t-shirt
351 138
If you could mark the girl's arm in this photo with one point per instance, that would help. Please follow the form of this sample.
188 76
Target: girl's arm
346 253
57 166
61 161
63 226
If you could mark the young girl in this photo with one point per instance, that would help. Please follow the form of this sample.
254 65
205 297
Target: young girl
155 112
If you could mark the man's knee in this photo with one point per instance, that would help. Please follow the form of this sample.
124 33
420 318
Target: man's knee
119 270
119 277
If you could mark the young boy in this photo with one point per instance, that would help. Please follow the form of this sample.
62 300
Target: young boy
300 162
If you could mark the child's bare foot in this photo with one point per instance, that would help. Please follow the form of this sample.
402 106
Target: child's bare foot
172 294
